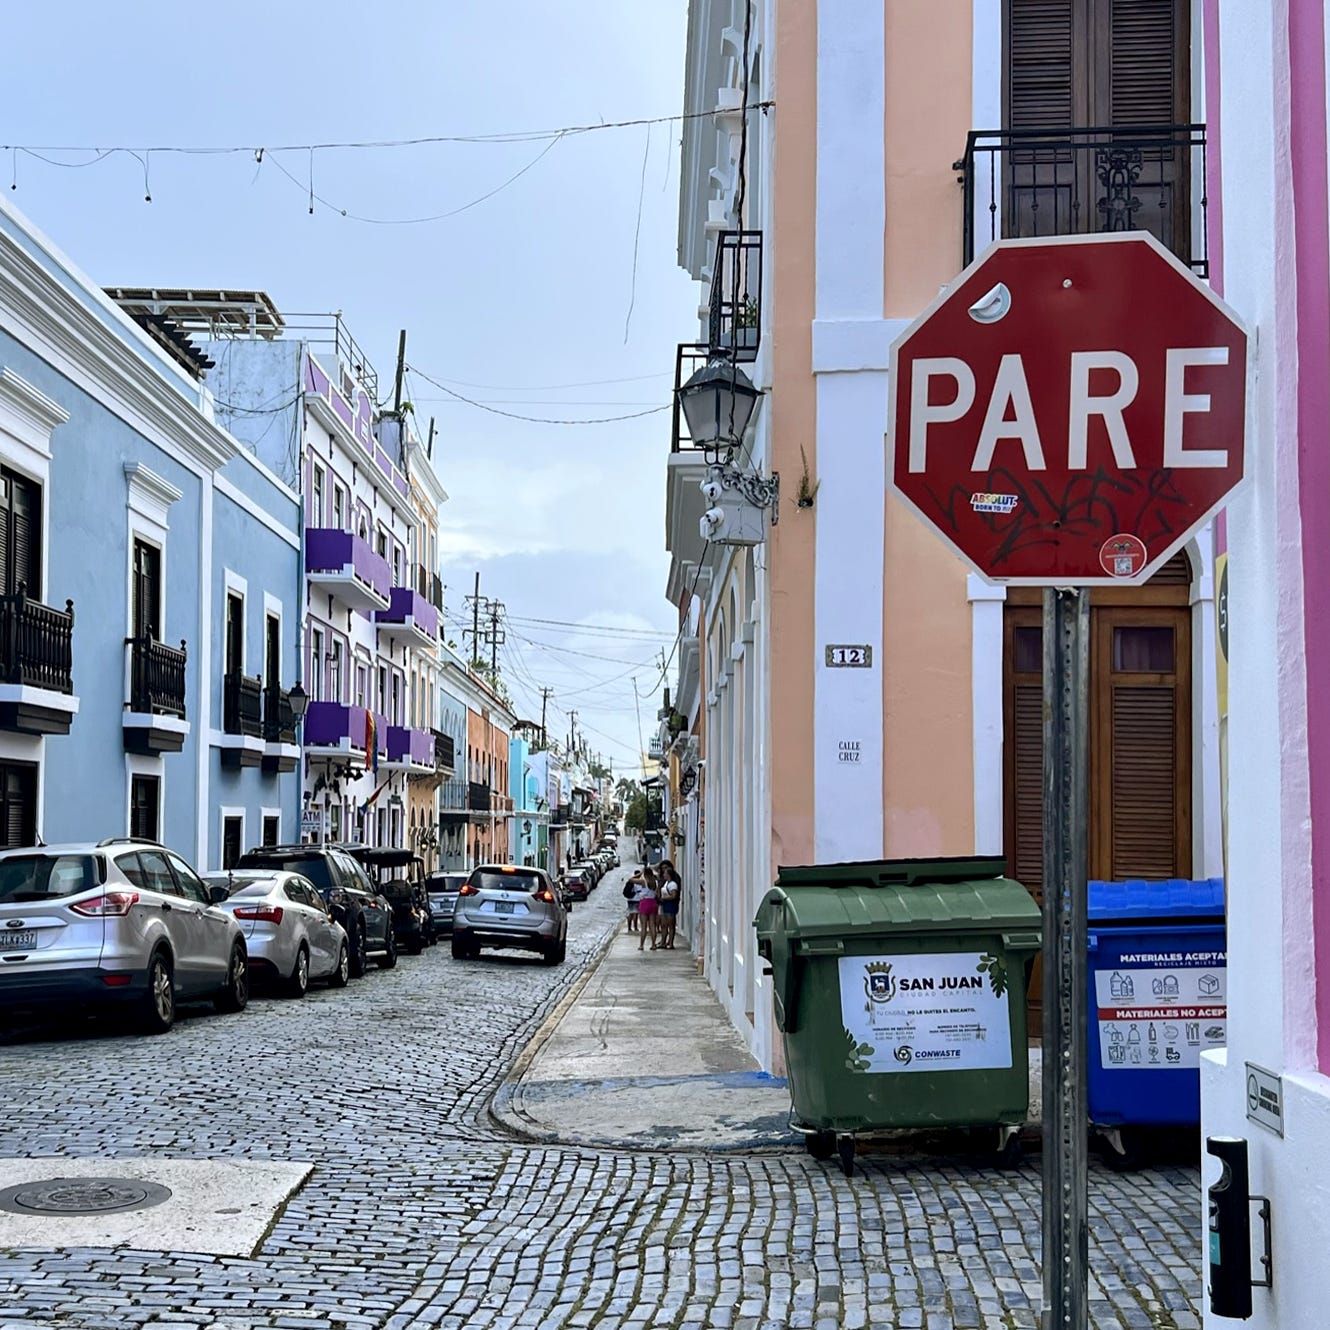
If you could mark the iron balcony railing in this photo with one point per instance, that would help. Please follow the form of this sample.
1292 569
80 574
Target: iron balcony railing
157 677
478 797
436 591
36 643
279 722
444 751
453 796
735 316
1026 183
242 705
690 357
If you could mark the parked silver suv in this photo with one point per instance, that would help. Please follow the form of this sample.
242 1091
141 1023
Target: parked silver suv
502 905
124 920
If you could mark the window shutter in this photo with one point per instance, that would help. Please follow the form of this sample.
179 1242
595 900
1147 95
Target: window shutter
1041 82
1144 38
1144 783
1027 864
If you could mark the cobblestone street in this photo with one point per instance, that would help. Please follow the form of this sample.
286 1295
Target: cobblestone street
421 1212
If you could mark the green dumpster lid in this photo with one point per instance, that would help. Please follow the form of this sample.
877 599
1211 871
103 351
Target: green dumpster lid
879 872
895 901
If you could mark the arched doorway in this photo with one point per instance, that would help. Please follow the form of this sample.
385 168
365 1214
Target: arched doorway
1140 780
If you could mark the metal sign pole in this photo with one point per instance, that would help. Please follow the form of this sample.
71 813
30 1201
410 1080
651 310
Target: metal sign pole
1066 745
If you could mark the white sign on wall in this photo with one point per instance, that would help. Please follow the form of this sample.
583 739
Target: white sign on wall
311 822
1160 1010
936 1012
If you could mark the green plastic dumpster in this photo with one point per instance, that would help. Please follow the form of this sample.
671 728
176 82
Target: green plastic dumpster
900 990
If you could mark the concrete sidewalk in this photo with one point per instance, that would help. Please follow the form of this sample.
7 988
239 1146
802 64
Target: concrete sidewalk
641 1056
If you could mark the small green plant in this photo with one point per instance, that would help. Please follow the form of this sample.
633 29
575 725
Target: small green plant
747 314
808 487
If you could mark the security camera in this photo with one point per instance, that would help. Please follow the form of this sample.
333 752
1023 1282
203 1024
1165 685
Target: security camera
712 490
712 522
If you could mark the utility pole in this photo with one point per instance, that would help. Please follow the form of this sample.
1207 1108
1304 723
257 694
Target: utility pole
429 443
496 636
572 733
401 370
474 602
545 695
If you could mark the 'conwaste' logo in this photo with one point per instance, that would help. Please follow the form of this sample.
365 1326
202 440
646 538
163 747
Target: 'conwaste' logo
905 1054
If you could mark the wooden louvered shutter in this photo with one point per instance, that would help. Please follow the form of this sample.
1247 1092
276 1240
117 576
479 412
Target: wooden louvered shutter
1141 64
1042 58
18 804
1141 744
1024 725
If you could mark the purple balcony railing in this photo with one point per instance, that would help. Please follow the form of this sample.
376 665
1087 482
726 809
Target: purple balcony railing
357 418
407 605
328 550
407 744
329 724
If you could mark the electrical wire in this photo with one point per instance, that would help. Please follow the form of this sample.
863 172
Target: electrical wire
588 627
551 387
515 136
537 420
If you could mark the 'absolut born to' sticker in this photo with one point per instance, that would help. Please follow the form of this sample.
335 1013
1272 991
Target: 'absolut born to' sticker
993 503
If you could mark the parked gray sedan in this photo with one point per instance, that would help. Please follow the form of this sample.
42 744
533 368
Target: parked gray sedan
288 927
503 905
123 920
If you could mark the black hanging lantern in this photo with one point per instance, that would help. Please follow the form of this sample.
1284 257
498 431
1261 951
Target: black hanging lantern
718 402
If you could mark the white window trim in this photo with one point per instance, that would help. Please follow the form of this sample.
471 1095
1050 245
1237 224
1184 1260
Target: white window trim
234 584
27 419
139 765
264 814
272 606
223 813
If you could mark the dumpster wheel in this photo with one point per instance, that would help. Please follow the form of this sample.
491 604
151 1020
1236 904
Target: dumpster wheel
1010 1149
845 1148
820 1144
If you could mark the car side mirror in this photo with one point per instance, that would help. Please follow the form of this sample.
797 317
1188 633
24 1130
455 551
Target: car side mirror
216 895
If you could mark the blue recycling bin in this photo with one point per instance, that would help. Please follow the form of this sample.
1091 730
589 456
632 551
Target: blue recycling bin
1158 998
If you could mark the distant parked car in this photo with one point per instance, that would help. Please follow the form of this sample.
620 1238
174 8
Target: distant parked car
289 929
125 921
502 905
442 889
592 869
345 886
577 883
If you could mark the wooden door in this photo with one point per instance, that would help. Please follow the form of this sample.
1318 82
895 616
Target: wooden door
147 591
20 534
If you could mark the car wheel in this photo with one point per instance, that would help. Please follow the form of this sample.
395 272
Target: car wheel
461 949
235 996
389 957
359 949
298 984
158 1011
341 976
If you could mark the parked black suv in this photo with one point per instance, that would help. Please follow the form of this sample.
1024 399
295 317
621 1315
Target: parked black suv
345 885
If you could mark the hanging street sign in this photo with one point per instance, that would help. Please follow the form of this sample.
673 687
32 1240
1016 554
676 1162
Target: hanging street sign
1070 411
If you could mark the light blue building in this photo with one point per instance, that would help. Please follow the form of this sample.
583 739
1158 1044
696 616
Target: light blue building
530 823
148 580
453 811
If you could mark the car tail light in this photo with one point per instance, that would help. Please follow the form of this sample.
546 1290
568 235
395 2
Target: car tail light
271 914
468 890
111 904
544 894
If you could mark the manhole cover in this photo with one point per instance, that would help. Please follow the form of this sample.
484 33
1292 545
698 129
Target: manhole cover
82 1196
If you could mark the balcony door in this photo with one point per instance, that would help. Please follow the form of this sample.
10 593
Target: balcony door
20 534
147 591
1076 64
272 651
235 633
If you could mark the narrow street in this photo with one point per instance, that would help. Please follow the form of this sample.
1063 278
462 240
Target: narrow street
420 1211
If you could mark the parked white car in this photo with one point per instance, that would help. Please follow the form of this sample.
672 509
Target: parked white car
124 921
288 927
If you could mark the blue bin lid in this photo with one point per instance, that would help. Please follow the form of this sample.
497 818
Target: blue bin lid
1178 898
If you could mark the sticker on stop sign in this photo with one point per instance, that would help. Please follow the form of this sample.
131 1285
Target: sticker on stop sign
1070 411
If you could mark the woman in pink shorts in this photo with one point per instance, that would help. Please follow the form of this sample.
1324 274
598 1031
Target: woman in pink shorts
647 906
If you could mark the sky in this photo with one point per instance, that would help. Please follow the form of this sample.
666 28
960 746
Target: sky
557 297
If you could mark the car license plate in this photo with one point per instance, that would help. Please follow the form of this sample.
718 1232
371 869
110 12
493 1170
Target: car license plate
504 907
17 941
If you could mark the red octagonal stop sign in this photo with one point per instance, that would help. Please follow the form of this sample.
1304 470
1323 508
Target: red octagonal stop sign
1069 411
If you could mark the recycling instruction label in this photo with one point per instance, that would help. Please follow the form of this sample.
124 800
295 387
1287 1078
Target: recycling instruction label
1160 1010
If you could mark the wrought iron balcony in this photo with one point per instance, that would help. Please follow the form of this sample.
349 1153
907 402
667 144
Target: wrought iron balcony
36 643
242 705
157 677
689 358
735 321
478 797
279 724
1026 183
454 798
444 751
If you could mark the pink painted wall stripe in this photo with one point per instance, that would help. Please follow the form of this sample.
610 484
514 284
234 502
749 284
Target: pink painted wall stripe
1311 204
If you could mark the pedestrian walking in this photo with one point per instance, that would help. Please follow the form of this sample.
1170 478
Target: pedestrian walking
647 906
671 889
632 890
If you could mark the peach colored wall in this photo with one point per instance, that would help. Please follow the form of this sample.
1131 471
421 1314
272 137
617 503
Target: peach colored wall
928 743
790 546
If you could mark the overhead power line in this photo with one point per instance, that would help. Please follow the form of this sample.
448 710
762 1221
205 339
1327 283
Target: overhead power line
536 420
